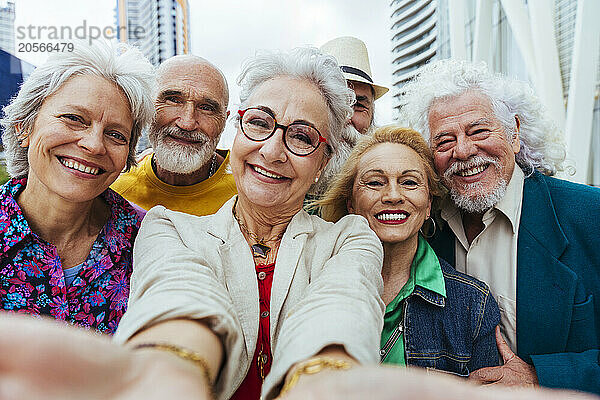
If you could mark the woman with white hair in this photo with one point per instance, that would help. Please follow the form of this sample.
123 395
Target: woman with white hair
253 299
261 287
67 238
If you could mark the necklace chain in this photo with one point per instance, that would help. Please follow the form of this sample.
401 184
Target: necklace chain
252 235
213 165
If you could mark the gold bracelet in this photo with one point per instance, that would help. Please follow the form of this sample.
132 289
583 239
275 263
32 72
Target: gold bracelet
312 366
180 352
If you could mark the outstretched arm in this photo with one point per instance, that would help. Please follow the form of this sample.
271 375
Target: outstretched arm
178 307
341 307
44 359
392 383
190 336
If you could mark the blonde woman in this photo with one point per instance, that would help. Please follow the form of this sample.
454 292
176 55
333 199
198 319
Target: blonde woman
436 317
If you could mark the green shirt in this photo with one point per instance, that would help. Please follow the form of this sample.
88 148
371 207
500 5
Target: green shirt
425 271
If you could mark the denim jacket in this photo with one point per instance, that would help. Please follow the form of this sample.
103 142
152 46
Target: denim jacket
454 334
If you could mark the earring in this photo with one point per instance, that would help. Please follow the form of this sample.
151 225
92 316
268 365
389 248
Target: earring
316 179
430 235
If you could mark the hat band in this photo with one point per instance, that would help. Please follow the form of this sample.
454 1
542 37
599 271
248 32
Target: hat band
356 71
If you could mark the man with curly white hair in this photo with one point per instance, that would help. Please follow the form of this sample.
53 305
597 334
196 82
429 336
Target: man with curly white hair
510 224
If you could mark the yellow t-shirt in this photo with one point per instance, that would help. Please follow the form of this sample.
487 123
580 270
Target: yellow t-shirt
141 186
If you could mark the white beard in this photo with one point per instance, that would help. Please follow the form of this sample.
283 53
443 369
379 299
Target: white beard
473 198
477 201
178 158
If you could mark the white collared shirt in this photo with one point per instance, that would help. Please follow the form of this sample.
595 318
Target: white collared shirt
492 256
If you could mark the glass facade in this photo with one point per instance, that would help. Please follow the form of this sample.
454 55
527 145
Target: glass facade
160 28
413 20
7 26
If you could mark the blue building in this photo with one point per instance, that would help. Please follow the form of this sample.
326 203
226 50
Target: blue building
12 72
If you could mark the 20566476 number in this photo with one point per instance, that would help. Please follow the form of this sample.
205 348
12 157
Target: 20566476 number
35 47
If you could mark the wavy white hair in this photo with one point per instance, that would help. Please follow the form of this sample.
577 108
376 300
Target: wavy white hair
121 64
542 144
305 63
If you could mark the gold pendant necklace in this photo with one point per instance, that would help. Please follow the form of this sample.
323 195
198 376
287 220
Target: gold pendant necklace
259 249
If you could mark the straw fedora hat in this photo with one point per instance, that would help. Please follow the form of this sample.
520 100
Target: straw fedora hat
353 58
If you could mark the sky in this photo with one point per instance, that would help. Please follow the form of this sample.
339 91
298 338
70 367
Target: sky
227 33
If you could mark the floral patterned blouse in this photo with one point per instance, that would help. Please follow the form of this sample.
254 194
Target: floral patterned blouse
31 275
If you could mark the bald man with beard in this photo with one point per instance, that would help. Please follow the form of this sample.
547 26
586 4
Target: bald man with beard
185 172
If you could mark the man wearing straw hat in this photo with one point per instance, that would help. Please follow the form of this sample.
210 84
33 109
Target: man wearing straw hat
353 58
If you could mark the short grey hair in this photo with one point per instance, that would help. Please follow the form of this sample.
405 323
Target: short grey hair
305 63
120 64
542 143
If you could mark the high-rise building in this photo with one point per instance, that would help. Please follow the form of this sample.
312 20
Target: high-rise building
421 33
160 28
414 37
7 26
547 46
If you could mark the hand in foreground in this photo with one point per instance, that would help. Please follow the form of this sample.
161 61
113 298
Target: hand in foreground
393 383
44 360
514 371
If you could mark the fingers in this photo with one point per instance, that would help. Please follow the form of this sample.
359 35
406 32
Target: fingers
487 375
505 352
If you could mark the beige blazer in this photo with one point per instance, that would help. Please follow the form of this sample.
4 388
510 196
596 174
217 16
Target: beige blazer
326 288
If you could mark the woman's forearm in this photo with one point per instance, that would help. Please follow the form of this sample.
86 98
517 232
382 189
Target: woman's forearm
190 336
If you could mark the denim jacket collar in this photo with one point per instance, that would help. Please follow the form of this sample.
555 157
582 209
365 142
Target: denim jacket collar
429 278
430 296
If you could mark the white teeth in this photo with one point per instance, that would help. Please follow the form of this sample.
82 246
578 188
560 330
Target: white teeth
79 167
266 173
472 171
391 217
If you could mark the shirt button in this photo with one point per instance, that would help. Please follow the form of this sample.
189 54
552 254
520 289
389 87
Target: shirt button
262 275
382 352
264 314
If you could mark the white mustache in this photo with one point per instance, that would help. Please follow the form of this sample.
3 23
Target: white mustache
473 162
177 132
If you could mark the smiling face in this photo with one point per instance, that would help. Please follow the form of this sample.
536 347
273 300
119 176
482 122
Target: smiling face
266 173
363 108
471 150
80 139
191 110
391 191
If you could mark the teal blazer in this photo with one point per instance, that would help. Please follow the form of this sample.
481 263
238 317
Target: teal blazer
558 281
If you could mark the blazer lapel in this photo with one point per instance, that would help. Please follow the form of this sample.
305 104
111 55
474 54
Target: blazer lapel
545 286
239 271
288 256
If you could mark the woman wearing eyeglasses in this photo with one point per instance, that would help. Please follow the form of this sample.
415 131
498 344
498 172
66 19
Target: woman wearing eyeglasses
261 289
